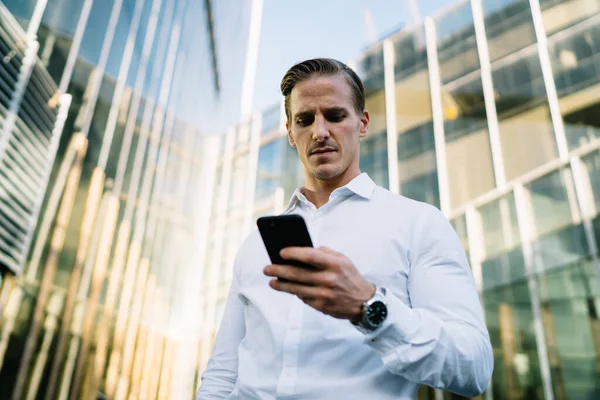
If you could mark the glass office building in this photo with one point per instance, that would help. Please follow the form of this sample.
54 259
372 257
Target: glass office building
103 161
489 111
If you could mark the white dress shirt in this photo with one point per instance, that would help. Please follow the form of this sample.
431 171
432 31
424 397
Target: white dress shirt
271 345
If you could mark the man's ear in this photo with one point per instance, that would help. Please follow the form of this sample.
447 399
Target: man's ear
365 121
290 137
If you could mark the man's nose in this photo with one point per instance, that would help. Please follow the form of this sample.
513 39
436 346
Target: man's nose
320 131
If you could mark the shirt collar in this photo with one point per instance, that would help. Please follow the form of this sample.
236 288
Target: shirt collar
362 186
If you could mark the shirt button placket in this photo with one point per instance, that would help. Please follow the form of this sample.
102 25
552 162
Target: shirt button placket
291 344
291 347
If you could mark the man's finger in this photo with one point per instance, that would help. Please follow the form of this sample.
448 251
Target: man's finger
310 256
328 250
298 289
292 273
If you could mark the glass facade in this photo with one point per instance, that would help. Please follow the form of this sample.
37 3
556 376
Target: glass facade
495 119
417 167
492 106
373 152
106 154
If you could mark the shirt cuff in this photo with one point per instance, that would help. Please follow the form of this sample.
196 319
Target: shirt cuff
400 324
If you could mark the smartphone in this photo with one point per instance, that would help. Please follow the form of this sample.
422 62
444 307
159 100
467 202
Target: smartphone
283 231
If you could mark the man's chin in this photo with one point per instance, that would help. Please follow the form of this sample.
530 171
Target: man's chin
327 173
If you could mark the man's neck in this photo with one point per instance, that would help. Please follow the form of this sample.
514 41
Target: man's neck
318 191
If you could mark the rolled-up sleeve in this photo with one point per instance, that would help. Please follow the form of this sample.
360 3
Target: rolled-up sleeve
440 339
220 376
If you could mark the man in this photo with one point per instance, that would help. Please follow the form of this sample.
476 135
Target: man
392 303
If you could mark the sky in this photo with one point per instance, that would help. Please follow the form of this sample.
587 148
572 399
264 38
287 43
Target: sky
293 31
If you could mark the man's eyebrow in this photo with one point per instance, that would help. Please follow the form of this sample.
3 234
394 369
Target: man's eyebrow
335 109
303 114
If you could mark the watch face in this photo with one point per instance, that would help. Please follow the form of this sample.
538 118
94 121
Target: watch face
376 313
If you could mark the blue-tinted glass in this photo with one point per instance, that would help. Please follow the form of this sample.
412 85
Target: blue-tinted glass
559 248
270 119
549 197
270 159
592 165
417 169
370 69
575 58
293 170
569 304
520 93
374 158
509 26
571 13
22 10
423 188
507 303
410 53
457 47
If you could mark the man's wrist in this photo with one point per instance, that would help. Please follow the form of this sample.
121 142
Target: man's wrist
369 292
374 311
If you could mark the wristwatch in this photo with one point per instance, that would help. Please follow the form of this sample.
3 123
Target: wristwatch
374 311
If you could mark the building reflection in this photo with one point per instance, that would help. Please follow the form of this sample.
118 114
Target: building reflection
103 168
489 112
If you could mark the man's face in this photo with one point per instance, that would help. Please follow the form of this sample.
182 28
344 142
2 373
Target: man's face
325 127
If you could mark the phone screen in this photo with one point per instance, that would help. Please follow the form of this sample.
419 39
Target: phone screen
284 231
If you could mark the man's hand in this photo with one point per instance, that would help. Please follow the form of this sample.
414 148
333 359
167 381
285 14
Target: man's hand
335 287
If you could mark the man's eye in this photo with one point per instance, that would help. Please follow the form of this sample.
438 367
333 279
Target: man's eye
335 117
304 121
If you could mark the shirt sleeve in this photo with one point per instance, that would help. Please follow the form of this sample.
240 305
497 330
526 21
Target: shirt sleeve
220 376
440 340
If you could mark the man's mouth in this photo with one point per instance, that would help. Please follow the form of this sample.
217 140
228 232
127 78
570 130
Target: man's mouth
323 151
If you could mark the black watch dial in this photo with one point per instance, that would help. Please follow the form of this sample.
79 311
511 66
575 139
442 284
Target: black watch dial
376 313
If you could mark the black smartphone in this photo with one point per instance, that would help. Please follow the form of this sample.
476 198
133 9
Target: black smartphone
279 232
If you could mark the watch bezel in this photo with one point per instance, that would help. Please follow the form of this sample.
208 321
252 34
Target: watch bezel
379 297
369 317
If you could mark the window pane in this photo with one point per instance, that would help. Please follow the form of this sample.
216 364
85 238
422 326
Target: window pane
521 101
270 120
22 10
465 120
570 12
552 201
561 258
510 322
575 59
269 168
374 160
417 169
508 305
569 304
293 171
499 223
509 26
457 47
592 165
238 181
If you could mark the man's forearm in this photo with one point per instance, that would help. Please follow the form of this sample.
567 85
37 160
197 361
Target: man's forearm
449 355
